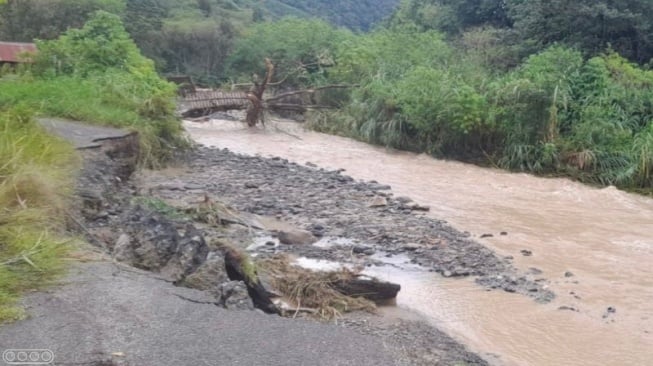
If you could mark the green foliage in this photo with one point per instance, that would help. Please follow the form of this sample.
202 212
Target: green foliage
96 74
389 54
531 26
103 43
35 179
440 106
112 99
451 16
199 50
557 113
301 50
414 94
529 104
160 206
356 15
26 20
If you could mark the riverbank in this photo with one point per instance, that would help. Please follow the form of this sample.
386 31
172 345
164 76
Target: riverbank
590 244
129 221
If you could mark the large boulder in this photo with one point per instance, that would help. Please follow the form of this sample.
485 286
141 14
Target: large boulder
153 242
296 237
209 275
233 295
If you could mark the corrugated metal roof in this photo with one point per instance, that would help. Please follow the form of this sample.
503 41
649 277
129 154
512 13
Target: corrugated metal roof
11 51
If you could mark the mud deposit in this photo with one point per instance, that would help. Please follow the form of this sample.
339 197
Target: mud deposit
261 200
333 205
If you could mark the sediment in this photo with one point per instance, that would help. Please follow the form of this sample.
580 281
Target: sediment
189 252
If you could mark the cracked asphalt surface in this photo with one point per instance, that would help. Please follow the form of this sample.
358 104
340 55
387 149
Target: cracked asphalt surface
106 316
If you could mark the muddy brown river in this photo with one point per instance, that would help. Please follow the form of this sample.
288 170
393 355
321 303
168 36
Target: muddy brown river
604 237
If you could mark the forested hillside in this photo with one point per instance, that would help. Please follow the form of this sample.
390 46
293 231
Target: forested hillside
530 25
182 36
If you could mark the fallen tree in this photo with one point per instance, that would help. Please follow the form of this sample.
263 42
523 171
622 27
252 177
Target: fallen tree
205 102
325 294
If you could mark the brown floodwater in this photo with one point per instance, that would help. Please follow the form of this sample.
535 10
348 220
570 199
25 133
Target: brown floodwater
602 235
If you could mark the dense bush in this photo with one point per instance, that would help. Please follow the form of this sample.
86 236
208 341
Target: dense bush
97 74
556 113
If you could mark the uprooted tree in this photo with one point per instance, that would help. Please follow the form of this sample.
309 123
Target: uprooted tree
255 95
258 104
205 102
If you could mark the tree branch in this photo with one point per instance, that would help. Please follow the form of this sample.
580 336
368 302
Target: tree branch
311 91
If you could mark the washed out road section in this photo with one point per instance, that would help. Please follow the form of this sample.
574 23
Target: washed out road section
108 314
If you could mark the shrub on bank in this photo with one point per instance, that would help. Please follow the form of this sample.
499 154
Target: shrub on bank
557 113
96 74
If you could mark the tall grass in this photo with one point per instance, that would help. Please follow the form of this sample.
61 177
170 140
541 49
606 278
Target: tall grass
557 113
111 99
36 176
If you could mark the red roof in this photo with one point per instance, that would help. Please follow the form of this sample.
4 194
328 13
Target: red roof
12 51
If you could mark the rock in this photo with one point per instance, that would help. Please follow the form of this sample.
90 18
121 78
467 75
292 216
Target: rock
101 215
193 187
526 252
156 245
360 249
91 199
233 295
379 187
570 308
371 289
412 246
171 187
417 207
403 200
190 253
123 250
447 274
569 274
611 310
378 201
209 275
535 271
296 237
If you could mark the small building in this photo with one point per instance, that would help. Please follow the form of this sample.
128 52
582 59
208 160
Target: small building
13 53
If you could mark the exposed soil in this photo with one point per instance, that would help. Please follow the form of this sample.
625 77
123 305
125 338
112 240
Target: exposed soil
265 200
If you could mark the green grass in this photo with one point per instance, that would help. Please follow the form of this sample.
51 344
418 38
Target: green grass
108 100
36 176
160 206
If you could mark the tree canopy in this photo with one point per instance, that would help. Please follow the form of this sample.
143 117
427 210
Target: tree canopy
590 25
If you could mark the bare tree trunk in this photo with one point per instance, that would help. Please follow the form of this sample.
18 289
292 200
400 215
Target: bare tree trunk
255 96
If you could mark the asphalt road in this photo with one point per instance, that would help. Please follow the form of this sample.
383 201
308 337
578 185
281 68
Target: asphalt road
81 135
105 316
